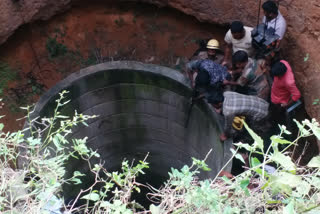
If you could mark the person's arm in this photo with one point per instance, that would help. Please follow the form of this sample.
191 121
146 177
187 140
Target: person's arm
191 71
295 94
227 82
281 30
227 54
228 48
242 81
227 127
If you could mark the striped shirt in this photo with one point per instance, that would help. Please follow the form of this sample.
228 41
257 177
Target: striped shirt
235 104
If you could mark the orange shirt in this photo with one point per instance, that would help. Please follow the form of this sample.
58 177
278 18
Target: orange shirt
284 87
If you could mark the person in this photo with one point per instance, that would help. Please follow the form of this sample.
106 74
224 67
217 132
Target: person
210 73
284 93
209 50
209 78
273 19
213 51
284 90
237 38
233 104
253 75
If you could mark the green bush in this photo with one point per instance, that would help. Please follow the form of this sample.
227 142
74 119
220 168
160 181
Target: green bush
55 48
7 74
37 186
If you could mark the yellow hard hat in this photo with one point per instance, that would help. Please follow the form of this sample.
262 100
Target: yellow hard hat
238 122
213 44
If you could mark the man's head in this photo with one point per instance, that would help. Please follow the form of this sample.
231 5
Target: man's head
212 48
270 10
278 69
237 30
216 99
240 60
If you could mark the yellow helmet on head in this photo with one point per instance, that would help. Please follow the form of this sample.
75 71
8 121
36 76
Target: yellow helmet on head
213 44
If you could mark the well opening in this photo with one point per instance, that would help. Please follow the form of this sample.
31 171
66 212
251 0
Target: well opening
142 109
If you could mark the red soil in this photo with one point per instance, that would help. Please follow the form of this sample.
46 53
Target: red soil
121 32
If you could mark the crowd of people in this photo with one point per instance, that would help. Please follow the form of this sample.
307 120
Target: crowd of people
240 83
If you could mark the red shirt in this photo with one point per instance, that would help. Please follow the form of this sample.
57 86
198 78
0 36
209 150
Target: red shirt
284 87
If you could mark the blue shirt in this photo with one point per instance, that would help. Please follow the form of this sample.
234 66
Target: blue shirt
217 73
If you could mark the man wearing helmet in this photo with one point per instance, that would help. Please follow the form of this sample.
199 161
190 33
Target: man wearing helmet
213 51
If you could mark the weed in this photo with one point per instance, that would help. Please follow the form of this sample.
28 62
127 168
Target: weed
55 48
91 60
153 28
14 108
7 74
287 188
306 58
134 19
119 22
60 33
135 16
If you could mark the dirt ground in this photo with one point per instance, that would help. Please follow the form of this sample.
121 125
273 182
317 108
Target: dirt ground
42 53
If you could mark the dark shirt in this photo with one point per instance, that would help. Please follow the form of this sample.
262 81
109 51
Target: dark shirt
211 74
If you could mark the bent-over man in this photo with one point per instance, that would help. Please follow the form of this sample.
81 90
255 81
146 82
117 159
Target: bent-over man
253 75
234 104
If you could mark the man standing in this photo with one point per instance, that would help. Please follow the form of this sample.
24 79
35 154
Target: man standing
237 38
284 90
234 104
253 78
273 19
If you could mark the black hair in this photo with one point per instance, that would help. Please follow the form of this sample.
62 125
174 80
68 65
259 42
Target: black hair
236 27
203 79
270 7
278 69
215 97
239 57
202 46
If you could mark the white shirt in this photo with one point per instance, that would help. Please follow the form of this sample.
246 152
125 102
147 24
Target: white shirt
243 44
278 23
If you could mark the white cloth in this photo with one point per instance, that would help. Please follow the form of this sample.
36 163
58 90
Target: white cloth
243 44
278 23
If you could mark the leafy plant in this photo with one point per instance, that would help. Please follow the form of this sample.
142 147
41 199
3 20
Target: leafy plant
7 74
55 48
119 22
36 186
316 102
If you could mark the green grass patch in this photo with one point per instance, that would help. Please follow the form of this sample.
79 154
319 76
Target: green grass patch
55 48
7 74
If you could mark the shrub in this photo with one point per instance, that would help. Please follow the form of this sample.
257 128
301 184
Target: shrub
7 74
36 186
55 48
